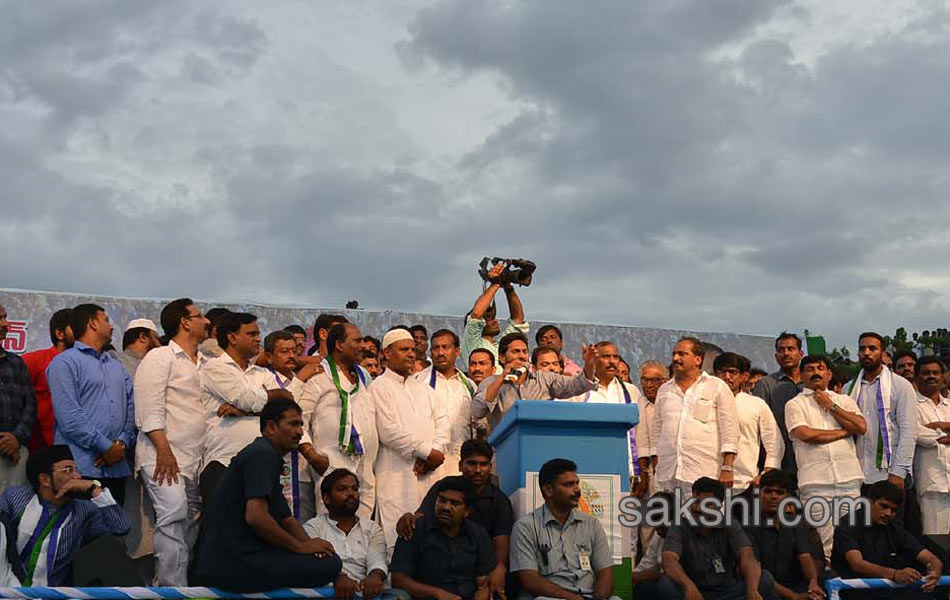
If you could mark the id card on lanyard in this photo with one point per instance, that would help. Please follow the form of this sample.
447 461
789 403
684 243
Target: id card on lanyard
290 473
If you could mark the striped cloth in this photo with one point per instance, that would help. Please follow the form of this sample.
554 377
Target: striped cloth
156 593
834 586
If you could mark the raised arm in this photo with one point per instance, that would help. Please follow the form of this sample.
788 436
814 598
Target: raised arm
515 308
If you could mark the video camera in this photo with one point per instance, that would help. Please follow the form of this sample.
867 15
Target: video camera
517 271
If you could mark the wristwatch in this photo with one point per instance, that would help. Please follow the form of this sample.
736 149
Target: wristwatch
833 408
96 483
727 468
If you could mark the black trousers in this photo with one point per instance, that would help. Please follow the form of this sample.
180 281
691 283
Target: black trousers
275 568
209 479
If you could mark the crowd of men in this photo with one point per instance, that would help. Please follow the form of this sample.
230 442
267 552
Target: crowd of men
363 463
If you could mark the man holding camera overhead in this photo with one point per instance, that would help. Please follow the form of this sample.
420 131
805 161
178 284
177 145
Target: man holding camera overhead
497 394
481 324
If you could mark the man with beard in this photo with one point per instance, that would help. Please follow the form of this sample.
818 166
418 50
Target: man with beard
889 405
448 557
52 518
340 397
321 330
251 542
932 458
359 543
697 430
793 555
171 422
822 425
783 385
498 393
481 325
454 392
549 336
61 335
490 508
884 550
757 427
280 354
413 433
557 550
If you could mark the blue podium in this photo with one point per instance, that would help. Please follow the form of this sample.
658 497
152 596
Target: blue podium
592 435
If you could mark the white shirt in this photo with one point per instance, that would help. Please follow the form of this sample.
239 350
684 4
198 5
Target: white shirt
324 432
455 398
272 380
223 382
932 459
756 425
694 429
168 397
410 423
653 556
362 551
900 414
613 394
822 464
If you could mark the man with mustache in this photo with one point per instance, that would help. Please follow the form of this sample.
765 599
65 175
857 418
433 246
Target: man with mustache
757 425
232 395
546 359
932 458
883 550
481 324
557 551
448 557
340 396
889 405
905 365
17 412
280 356
250 540
359 543
490 508
822 425
696 425
549 336
793 555
454 392
481 364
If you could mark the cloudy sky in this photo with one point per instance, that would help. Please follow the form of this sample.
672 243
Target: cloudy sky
737 165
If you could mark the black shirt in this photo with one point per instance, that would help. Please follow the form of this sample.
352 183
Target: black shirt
709 560
777 389
492 509
452 564
889 546
778 551
229 544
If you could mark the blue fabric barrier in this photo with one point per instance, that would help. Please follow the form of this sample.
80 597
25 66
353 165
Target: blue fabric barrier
833 587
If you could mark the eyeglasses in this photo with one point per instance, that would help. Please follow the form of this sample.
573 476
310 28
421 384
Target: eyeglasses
652 379
198 316
69 470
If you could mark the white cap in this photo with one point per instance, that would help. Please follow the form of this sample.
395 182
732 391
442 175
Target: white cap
146 323
395 335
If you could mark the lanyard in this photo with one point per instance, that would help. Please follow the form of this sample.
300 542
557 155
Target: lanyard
462 378
631 435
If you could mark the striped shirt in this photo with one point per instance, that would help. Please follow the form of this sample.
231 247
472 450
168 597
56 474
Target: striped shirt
77 523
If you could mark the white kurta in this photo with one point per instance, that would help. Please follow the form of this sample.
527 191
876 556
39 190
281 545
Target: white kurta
410 424
223 382
455 399
756 426
694 429
324 431
613 394
269 380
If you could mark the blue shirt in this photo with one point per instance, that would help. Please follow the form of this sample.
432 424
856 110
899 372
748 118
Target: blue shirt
92 402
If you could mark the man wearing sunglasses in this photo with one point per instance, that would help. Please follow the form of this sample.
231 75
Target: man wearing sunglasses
49 520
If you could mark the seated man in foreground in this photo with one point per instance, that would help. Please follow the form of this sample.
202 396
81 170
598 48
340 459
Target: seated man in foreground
884 549
449 557
558 551
61 513
359 542
706 562
490 508
793 555
250 541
